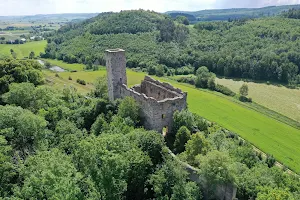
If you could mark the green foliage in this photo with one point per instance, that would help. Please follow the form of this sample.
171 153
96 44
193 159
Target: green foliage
150 142
101 90
204 79
244 90
270 161
182 136
172 174
216 168
274 194
224 90
292 13
7 172
23 130
19 71
49 175
80 81
31 55
183 20
124 22
99 125
195 146
183 118
129 108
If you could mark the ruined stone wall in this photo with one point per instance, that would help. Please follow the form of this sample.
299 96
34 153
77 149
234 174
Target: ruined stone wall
156 114
157 91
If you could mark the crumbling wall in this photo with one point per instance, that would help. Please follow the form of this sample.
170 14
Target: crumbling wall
156 114
157 91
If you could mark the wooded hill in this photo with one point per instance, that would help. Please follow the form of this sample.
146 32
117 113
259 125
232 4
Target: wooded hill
236 13
260 49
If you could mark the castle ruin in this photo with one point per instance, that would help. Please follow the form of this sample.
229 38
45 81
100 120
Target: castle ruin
158 101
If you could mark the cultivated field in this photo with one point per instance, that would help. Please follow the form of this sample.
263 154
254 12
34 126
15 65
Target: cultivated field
267 134
23 50
280 99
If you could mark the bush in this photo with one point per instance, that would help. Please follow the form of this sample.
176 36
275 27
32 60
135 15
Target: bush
57 75
70 78
224 90
245 99
82 82
189 80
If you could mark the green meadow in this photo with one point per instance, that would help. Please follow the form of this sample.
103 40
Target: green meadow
267 134
23 50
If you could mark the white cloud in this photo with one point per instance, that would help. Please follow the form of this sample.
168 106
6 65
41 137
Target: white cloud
26 7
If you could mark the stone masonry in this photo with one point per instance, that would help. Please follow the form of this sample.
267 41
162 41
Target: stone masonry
158 101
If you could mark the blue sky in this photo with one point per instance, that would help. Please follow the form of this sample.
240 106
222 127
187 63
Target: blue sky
30 7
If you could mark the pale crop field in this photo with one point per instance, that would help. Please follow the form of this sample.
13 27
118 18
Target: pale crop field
280 99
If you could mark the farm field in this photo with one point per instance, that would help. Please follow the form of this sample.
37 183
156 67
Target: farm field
280 99
267 134
23 50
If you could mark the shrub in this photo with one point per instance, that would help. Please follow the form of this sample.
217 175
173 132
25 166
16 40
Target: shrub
224 90
189 80
82 82
57 75
245 99
70 78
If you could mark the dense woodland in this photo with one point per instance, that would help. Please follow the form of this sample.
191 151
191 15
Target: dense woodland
62 145
261 49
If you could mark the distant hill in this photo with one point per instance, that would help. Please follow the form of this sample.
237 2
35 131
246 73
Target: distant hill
49 17
235 13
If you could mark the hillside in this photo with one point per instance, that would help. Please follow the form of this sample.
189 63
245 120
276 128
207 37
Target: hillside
236 13
267 50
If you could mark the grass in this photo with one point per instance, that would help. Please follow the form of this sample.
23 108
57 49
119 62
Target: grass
89 76
66 66
267 134
23 50
280 99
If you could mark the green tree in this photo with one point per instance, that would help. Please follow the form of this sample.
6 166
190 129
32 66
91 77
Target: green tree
31 55
244 90
216 168
182 136
23 130
268 193
20 94
7 169
129 108
170 182
101 90
203 76
183 118
99 125
49 175
195 146
159 70
183 20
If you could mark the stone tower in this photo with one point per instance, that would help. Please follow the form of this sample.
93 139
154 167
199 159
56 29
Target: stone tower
116 72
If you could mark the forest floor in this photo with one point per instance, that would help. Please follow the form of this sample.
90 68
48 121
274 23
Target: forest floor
264 132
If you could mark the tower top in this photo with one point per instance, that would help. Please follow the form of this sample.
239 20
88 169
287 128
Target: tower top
114 50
